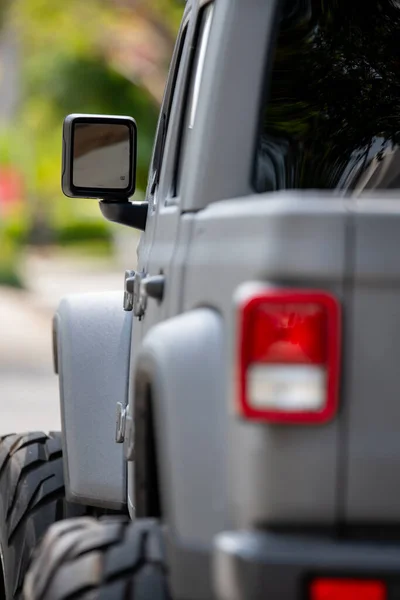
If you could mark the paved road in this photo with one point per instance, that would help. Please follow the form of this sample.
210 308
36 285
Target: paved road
28 386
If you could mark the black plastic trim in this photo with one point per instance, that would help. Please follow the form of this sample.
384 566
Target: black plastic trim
132 214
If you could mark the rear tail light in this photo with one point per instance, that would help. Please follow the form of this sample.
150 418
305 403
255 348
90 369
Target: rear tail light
347 589
289 344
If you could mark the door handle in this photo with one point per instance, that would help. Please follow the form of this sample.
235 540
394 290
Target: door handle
153 287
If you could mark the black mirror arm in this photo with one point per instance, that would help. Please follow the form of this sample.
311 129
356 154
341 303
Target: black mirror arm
132 214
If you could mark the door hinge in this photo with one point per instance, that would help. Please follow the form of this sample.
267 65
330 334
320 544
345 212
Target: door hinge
139 298
120 425
129 290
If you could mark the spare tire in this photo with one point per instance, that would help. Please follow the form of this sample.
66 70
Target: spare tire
32 497
106 559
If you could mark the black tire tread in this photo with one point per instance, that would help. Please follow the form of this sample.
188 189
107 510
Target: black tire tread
32 497
106 559
25 463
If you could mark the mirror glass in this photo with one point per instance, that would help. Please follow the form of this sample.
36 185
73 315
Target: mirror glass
101 155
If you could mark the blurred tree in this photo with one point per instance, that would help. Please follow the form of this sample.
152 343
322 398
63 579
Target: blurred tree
3 8
80 57
141 41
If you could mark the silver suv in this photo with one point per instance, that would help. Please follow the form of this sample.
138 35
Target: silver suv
254 367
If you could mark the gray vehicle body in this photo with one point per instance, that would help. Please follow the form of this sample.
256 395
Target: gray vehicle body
215 238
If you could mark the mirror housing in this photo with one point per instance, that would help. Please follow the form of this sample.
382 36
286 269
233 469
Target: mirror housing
99 157
99 161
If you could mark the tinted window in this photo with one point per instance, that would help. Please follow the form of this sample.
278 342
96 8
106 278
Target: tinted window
332 114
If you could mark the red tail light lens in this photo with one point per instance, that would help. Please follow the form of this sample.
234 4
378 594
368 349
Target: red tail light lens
347 589
289 345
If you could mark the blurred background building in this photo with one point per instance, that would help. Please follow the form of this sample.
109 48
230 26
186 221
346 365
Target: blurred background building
96 56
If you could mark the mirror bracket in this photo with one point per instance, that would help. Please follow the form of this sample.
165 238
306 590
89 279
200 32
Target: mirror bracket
132 214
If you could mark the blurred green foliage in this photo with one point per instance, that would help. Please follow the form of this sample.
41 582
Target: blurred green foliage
64 70
68 64
12 235
87 84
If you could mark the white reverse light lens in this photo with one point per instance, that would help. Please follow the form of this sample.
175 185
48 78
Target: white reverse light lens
286 388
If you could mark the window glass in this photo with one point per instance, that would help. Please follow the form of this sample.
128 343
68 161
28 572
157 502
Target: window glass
332 113
165 113
193 92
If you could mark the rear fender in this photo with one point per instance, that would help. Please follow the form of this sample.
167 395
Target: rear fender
183 362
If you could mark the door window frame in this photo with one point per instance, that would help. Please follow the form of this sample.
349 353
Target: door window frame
195 76
157 160
178 110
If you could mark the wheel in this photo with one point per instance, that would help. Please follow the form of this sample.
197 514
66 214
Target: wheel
107 559
31 499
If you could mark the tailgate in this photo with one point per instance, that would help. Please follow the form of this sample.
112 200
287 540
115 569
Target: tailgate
371 408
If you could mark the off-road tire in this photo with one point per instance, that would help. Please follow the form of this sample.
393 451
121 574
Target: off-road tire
106 559
31 499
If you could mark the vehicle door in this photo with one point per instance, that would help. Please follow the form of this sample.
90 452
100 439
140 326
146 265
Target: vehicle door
170 234
164 236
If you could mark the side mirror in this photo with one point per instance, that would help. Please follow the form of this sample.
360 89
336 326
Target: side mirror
99 161
99 157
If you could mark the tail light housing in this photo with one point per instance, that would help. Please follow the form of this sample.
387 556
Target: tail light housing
347 589
289 356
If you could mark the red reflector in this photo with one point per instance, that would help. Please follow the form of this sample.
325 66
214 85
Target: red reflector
289 343
347 589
